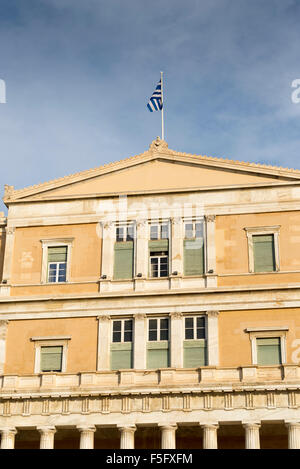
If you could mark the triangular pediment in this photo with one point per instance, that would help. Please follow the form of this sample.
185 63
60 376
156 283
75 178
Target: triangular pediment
155 171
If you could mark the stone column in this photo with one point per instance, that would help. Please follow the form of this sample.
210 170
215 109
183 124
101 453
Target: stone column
252 435
87 436
176 253
47 437
9 244
3 333
210 437
294 434
8 438
176 340
141 256
140 339
211 279
168 436
104 340
213 338
108 241
127 436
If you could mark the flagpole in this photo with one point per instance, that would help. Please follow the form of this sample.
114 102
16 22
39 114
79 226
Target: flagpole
162 110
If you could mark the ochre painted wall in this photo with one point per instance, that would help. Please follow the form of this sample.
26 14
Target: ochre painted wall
233 338
82 348
27 255
232 245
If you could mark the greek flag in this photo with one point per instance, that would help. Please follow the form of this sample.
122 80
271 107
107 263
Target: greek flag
155 102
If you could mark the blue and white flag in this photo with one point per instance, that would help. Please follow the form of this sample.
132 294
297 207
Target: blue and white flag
156 102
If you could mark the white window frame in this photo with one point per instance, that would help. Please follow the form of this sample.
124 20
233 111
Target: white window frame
193 222
263 230
159 224
125 226
158 329
122 320
57 242
266 333
194 317
51 341
159 257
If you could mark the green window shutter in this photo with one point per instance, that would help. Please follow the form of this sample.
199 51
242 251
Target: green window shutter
263 252
158 245
194 353
193 257
51 358
268 351
57 254
121 356
123 263
158 355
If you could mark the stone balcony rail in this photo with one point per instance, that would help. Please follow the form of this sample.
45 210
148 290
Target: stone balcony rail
206 379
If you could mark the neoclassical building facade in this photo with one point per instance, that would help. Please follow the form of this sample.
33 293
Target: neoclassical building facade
152 303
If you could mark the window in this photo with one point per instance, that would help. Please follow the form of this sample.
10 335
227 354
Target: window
263 248
122 330
124 252
57 264
194 346
50 353
268 345
158 343
56 260
125 233
51 358
121 345
263 253
158 329
159 231
193 248
159 264
268 351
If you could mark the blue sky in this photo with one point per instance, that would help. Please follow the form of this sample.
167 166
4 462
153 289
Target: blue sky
79 74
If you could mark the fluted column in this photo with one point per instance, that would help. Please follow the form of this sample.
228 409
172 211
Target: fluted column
293 434
8 438
127 436
87 436
210 437
47 437
168 436
252 435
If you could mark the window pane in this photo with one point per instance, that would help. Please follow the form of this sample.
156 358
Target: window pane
163 267
62 272
128 336
199 230
154 267
164 329
52 273
268 351
117 326
120 233
130 233
154 232
189 328
128 325
189 230
164 231
152 329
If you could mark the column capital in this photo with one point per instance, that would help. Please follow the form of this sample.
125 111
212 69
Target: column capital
176 315
250 424
212 425
292 423
167 426
104 318
140 316
46 429
210 218
8 430
212 313
86 428
127 428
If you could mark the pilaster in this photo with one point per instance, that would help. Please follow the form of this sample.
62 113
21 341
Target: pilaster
104 339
